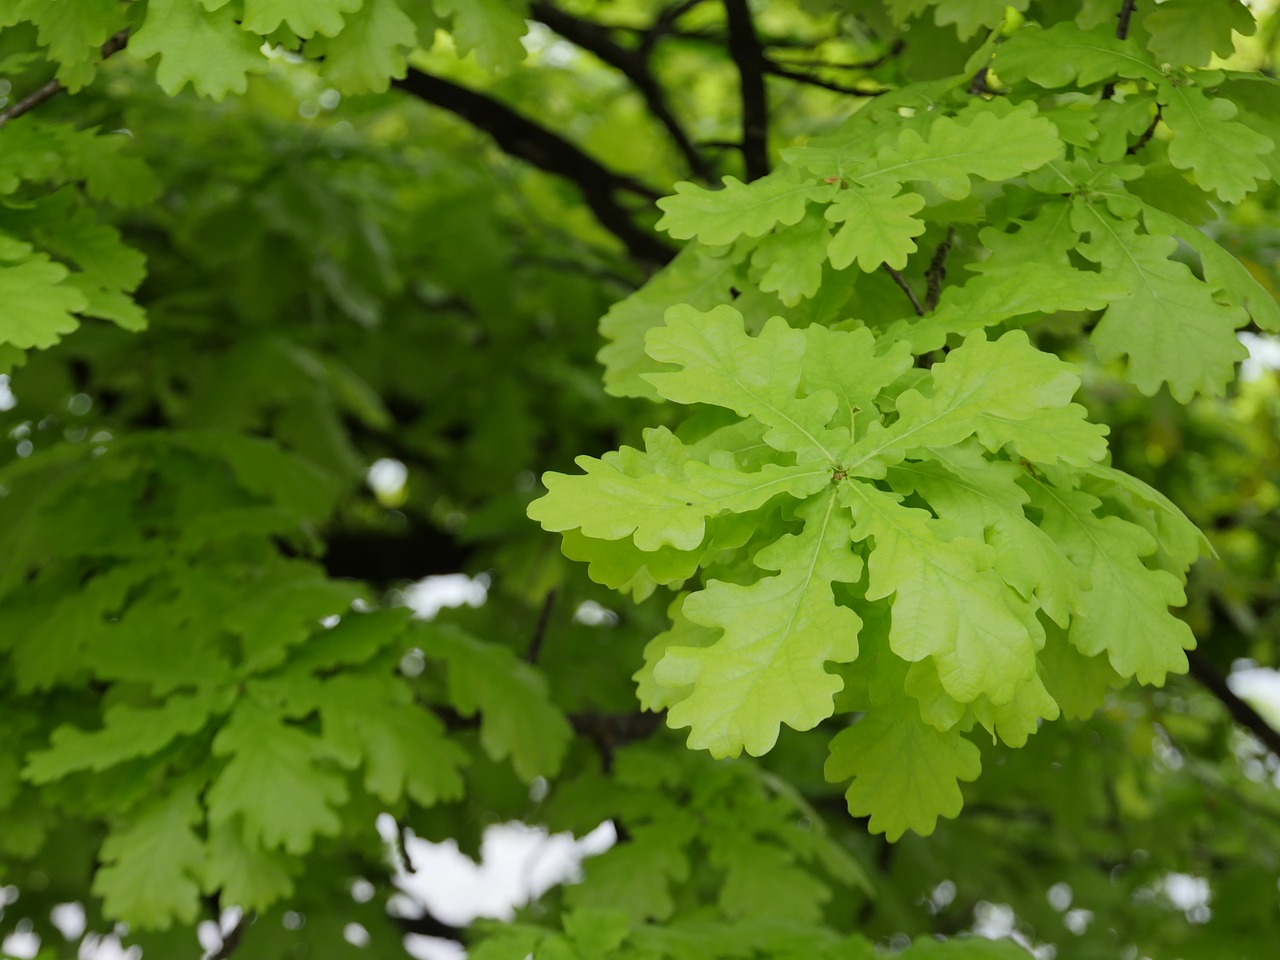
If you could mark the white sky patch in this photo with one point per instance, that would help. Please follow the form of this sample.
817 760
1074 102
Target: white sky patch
1264 355
592 614
518 863
7 400
430 595
1260 688
387 477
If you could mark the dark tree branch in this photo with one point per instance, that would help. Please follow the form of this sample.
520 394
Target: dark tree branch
540 631
901 281
937 271
748 55
634 65
520 137
610 731
55 87
817 63
777 70
1123 18
1146 135
1207 675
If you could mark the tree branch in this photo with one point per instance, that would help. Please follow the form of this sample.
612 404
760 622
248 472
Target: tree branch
901 281
540 631
520 137
632 64
777 70
1207 675
748 55
937 271
54 87
1123 18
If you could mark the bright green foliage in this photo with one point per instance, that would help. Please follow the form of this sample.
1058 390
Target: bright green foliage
905 773
909 372
370 50
302 16
721 216
876 226
766 669
197 44
1169 326
492 28
1223 155
152 866
1186 32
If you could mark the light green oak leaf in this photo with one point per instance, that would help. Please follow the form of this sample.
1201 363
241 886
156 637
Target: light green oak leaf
197 45
948 601
877 226
790 261
1004 392
717 217
1169 326
1127 604
905 772
1223 155
753 376
1186 33
152 862
37 304
855 367
370 50
625 494
304 17
1065 54
982 499
768 668
305 787
990 145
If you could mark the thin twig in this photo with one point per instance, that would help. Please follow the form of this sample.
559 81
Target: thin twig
748 55
937 271
778 71
632 64
1207 675
54 87
1147 134
1123 18
901 281
540 631
817 63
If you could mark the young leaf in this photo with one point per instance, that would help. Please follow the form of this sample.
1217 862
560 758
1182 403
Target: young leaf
1064 53
1170 327
1222 155
197 45
1004 392
905 773
739 209
152 863
1126 604
768 667
752 376
948 602
877 226
304 17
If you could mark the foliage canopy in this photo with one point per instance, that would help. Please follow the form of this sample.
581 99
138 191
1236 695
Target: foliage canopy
898 346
